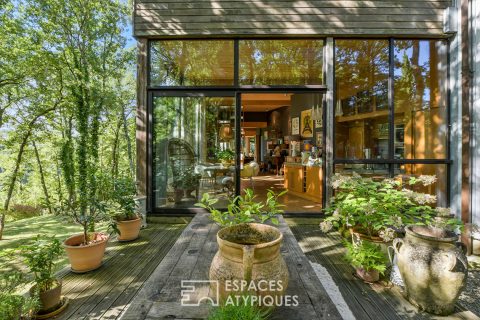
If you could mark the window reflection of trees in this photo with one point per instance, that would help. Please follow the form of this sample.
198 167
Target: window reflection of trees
191 63
281 62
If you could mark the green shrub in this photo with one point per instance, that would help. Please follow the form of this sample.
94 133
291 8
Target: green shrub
12 305
366 255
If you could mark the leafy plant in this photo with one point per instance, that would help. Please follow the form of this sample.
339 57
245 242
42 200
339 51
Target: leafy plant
244 209
245 309
14 306
123 197
40 257
226 155
365 255
186 179
378 208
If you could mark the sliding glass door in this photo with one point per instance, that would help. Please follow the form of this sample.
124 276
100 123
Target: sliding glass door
192 149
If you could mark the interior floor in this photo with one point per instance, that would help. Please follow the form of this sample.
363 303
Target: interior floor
292 203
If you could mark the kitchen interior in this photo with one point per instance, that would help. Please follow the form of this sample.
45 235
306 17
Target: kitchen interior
283 134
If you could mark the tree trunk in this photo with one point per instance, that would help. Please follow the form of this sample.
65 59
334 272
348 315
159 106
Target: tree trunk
129 143
115 150
2 224
42 178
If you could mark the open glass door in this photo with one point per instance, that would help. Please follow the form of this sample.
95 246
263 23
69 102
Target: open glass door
282 143
192 149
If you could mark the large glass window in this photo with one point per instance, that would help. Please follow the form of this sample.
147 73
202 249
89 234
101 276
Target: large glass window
361 113
193 149
191 63
420 99
281 62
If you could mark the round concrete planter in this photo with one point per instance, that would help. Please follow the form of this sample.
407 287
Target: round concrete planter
129 229
433 267
85 258
249 252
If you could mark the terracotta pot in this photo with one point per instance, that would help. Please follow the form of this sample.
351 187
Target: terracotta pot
358 236
85 258
368 276
250 252
50 299
433 267
129 229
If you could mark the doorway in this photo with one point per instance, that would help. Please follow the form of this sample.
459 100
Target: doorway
281 148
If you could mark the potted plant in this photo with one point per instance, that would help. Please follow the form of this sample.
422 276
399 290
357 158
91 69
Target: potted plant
245 309
376 211
432 263
368 260
127 221
40 257
249 250
85 251
190 181
226 157
14 306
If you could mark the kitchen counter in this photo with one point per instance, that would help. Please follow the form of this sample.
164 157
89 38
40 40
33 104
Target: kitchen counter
304 181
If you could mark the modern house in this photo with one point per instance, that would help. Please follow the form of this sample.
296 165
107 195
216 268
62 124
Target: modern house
299 90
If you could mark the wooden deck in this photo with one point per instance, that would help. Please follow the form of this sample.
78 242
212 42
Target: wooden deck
190 258
107 291
378 301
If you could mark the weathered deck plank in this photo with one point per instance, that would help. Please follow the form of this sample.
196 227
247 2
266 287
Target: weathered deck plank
365 301
190 258
105 292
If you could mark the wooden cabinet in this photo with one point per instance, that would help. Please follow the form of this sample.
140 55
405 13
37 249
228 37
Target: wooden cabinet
305 182
294 178
314 183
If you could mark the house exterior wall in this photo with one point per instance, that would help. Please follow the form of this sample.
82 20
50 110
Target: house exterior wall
202 18
475 60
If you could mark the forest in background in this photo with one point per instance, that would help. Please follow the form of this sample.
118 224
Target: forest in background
67 100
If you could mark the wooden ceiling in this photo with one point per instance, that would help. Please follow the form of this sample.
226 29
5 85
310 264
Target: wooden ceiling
264 102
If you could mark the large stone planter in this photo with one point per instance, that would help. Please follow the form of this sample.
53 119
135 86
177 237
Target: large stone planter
433 267
250 252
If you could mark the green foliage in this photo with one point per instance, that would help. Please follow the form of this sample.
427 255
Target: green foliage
245 309
365 255
40 257
225 155
186 179
123 197
14 306
378 208
244 209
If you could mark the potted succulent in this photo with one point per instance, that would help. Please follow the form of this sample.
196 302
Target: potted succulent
368 260
14 306
127 221
226 157
249 250
40 257
85 251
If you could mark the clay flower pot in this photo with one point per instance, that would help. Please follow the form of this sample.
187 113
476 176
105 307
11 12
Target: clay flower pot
249 252
50 299
84 258
369 276
433 267
129 229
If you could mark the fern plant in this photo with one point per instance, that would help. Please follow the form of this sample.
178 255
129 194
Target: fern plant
366 255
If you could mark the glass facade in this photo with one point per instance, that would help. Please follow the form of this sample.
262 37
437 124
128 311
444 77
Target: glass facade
390 108
191 63
281 62
380 130
420 99
189 134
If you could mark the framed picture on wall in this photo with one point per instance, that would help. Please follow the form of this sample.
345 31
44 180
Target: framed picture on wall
319 139
295 126
318 124
306 125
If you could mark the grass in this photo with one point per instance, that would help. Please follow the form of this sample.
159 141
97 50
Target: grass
22 231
